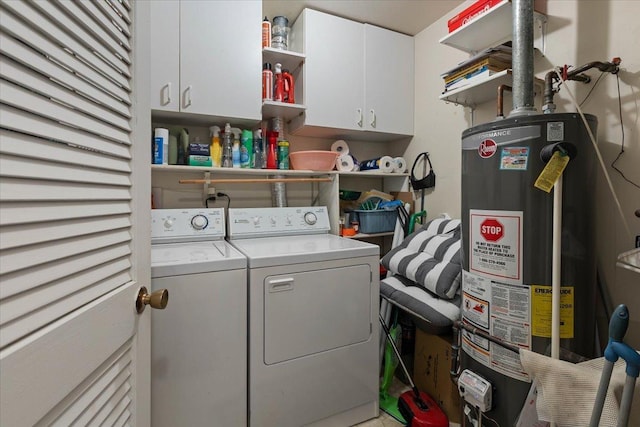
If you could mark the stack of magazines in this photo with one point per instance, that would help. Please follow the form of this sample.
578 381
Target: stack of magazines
478 67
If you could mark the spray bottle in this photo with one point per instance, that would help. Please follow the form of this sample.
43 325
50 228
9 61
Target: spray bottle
227 147
246 149
272 144
216 148
258 159
235 151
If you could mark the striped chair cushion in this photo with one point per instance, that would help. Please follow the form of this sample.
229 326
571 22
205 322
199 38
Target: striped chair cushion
430 257
431 314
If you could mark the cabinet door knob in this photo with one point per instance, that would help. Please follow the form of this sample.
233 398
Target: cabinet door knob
372 112
187 97
359 118
166 94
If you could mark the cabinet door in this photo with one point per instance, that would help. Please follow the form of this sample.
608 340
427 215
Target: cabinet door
165 55
389 81
333 71
220 56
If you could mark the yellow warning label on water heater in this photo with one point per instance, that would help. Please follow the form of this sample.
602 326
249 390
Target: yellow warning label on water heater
551 172
541 311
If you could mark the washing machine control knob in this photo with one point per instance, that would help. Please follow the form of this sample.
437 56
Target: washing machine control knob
256 220
199 222
168 223
288 220
310 218
273 220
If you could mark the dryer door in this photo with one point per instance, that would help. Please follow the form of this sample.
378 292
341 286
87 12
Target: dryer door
315 311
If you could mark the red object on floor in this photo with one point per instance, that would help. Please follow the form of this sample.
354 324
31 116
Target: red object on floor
383 272
423 412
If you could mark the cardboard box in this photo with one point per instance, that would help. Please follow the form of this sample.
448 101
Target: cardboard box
481 7
431 365
476 9
405 197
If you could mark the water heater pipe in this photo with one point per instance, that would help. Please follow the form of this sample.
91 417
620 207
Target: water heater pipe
522 57
576 74
556 269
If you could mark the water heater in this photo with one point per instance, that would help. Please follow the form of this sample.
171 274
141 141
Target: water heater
507 246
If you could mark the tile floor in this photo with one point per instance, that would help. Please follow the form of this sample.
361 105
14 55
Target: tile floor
384 419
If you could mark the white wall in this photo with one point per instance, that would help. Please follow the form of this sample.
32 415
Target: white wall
578 32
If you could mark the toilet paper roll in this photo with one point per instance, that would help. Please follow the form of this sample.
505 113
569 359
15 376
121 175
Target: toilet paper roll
381 164
345 163
399 165
340 146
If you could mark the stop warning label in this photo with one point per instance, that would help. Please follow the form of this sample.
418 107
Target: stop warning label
496 244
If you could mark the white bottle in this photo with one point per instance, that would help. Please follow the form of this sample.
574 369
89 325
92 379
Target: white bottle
161 146
227 147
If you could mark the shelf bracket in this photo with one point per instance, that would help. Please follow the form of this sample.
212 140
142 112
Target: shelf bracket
540 28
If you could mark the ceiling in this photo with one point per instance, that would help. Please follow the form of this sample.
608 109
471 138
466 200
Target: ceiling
405 16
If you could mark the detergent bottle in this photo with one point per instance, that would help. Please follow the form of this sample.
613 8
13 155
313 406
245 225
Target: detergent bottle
288 83
246 149
216 147
235 150
227 147
278 85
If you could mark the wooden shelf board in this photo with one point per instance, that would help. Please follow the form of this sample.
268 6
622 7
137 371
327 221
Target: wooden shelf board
281 109
483 90
489 29
290 60
235 171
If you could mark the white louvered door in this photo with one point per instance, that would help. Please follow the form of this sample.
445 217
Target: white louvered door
74 212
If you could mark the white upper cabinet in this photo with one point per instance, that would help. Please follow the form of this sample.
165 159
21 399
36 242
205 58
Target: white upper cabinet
206 58
356 78
333 71
165 55
389 85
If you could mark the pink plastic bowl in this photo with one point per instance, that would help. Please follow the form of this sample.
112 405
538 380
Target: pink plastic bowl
315 160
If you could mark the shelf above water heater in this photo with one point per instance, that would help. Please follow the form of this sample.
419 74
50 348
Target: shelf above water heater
491 29
485 90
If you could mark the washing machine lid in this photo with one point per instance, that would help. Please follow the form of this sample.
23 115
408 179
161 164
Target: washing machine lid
175 259
273 251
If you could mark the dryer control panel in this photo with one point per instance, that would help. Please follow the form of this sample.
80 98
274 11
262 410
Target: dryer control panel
268 222
187 225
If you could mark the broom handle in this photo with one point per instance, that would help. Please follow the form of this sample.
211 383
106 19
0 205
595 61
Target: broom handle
395 350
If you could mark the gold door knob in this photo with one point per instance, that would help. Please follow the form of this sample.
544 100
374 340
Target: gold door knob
156 299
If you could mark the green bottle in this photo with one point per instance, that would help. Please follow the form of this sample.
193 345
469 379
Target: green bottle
246 148
283 155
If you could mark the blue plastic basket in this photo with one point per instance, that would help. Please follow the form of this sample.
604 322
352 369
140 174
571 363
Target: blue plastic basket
376 221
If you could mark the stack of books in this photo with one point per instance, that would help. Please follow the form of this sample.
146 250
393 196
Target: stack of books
478 67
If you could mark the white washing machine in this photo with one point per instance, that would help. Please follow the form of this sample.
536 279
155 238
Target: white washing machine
313 319
199 342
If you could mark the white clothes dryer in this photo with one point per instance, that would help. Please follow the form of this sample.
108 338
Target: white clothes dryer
313 319
199 342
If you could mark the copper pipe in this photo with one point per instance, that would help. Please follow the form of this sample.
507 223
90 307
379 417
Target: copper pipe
501 90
